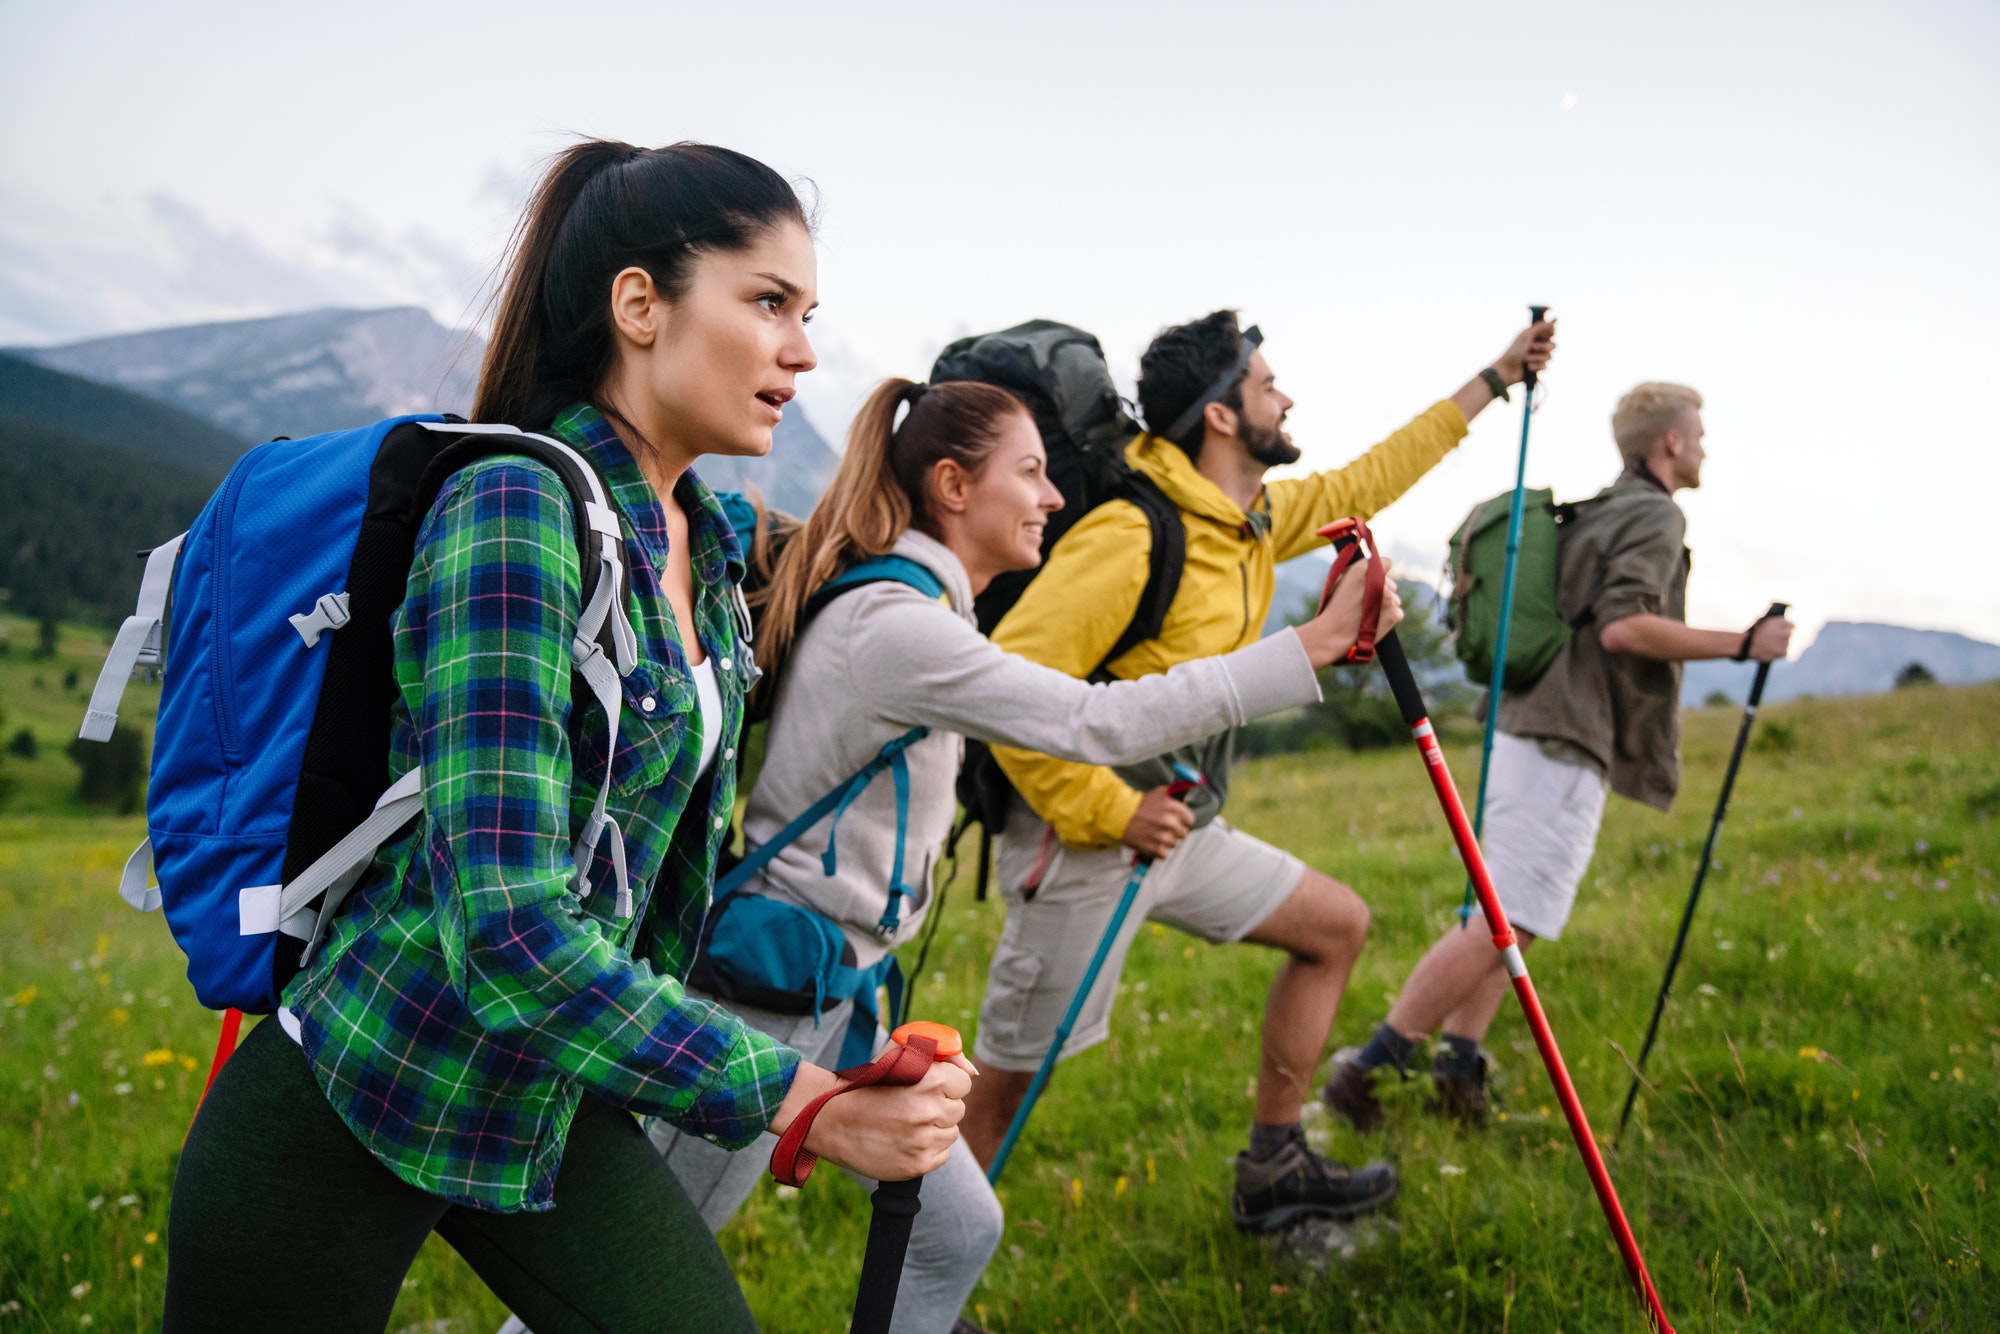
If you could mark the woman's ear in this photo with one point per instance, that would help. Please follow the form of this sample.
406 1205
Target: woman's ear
950 487
637 309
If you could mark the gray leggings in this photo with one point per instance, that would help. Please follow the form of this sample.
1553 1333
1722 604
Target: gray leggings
954 1236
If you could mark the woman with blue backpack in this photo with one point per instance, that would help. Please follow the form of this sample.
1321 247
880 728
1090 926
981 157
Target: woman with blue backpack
878 674
500 992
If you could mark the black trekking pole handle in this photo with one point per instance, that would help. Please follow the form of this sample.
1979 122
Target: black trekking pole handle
1535 316
1700 876
1778 609
895 1204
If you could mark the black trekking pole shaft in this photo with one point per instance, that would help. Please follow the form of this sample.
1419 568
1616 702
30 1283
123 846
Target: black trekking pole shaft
889 1223
1700 875
1535 314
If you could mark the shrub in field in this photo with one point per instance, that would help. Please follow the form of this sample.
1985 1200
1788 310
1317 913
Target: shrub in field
114 771
1915 674
23 743
1775 736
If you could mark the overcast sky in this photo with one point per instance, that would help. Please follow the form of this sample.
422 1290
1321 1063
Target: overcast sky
1793 208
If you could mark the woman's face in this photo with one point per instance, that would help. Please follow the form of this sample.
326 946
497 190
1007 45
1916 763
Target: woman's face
1006 504
712 371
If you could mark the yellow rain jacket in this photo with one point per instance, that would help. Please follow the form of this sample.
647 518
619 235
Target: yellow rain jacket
1087 593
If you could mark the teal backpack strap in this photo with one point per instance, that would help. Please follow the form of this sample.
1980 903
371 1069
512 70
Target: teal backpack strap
892 758
877 570
858 1047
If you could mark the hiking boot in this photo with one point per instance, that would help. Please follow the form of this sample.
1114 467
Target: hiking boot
964 1326
1458 1088
1351 1093
1296 1183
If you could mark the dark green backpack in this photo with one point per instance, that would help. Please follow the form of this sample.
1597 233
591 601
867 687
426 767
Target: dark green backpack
1477 567
1478 563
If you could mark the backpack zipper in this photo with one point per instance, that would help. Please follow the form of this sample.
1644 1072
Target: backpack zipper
221 664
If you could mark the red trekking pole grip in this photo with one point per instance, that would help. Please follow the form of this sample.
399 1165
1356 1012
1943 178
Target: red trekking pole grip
911 1052
1351 542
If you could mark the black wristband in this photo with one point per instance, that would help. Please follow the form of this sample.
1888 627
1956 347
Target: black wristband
1496 384
1742 653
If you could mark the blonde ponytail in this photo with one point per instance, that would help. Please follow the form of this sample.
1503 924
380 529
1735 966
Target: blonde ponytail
880 489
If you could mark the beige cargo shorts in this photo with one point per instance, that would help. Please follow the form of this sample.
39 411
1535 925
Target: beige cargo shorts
1219 884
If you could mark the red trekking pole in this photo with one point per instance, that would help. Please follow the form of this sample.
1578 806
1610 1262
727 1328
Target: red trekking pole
1352 540
912 1050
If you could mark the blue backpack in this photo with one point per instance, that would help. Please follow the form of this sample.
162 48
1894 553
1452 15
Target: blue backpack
269 794
779 956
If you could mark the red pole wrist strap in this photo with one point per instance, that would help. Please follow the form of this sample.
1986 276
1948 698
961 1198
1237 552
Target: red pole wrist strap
1371 592
900 1063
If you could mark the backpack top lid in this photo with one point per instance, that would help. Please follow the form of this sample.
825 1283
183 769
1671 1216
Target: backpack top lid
1060 372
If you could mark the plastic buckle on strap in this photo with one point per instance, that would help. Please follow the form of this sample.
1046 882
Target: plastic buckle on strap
329 613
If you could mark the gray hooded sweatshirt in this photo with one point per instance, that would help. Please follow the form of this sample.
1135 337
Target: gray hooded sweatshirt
884 658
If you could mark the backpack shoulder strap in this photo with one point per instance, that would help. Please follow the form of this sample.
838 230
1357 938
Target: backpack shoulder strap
1164 563
344 770
877 570
835 803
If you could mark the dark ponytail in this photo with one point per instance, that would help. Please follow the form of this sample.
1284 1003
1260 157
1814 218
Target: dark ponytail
603 207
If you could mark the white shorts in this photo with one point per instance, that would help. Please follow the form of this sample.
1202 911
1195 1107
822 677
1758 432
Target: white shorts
1219 884
1542 816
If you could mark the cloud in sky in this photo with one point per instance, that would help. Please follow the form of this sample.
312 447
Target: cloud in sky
114 265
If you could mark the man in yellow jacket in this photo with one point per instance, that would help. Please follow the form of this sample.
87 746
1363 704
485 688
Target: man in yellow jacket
1216 425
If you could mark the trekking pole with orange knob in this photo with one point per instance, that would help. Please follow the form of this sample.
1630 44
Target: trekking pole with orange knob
1352 541
911 1052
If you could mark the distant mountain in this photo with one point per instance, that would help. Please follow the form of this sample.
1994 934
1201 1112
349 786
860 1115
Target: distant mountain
1851 658
323 370
294 375
113 417
791 477
89 476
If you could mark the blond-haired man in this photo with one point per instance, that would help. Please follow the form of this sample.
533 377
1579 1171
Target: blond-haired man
1605 716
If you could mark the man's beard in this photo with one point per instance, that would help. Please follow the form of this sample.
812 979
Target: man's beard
1268 445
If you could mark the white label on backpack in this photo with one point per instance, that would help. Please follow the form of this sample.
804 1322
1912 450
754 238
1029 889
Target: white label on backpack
257 913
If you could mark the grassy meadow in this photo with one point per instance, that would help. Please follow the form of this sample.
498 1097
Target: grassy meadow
1815 1155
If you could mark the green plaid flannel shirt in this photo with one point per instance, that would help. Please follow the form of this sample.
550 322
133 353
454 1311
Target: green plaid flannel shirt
468 994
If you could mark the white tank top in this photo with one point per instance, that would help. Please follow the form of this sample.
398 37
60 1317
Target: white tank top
708 700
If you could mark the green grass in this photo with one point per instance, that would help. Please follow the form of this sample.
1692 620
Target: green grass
1817 1154
46 697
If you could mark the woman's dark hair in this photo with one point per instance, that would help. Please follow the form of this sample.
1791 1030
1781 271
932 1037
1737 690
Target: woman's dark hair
1180 365
600 208
881 488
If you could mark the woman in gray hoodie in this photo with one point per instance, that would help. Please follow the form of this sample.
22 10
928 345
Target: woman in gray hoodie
953 478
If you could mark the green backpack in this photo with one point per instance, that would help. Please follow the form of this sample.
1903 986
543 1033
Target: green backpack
1478 563
1478 566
